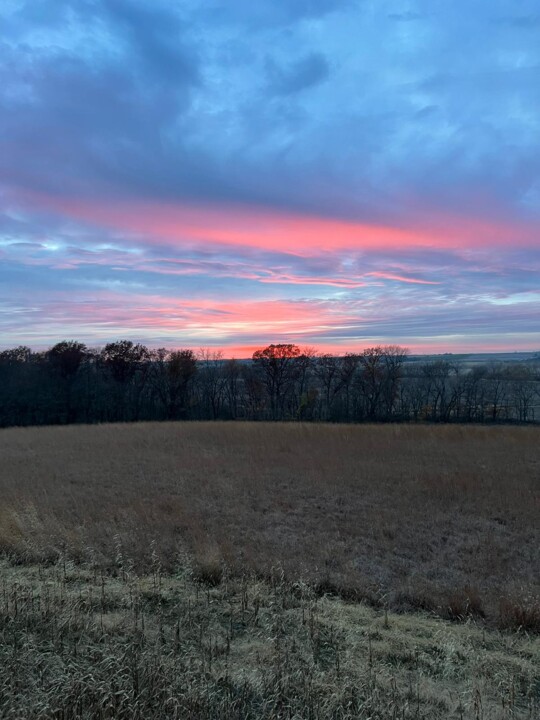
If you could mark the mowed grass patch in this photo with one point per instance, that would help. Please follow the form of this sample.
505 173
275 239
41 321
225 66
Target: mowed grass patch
438 518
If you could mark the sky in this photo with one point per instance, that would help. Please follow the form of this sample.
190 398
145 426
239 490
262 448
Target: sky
229 174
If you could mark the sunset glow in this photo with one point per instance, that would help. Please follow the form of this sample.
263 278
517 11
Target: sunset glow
184 188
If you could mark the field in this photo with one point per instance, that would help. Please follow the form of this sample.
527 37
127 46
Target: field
270 570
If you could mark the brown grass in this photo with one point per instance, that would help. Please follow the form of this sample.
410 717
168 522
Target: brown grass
443 518
79 644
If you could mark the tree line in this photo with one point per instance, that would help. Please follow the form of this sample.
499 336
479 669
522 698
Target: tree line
126 382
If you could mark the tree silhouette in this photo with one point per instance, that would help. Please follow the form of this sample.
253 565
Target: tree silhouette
280 368
122 359
125 381
67 356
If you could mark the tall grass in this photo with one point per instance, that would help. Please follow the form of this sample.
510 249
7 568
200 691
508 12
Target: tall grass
77 643
439 518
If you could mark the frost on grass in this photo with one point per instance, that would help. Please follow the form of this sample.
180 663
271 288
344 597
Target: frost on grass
76 642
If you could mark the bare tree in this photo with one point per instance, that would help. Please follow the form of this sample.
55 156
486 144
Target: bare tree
172 375
231 373
327 370
211 381
65 360
127 364
378 382
279 366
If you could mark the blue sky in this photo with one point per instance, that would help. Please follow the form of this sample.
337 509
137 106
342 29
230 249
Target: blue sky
233 174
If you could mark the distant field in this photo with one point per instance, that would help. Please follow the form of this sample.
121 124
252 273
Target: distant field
440 518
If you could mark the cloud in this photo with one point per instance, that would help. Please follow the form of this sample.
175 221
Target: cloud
373 167
527 21
154 100
407 16
100 283
251 226
96 117
302 74
157 37
97 315
257 16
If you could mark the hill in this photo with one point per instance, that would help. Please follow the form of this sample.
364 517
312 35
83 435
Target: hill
270 570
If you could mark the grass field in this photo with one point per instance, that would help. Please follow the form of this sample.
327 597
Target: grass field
235 570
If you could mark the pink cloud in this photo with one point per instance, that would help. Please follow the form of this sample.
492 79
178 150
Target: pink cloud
241 326
302 235
71 258
400 278
294 250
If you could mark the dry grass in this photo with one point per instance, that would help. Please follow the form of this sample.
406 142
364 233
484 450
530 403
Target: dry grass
439 518
79 644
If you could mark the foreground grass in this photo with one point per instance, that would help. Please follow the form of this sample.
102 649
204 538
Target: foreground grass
79 643
438 518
